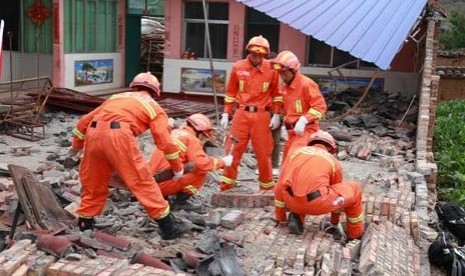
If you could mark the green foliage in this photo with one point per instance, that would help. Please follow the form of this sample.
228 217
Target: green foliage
449 150
454 37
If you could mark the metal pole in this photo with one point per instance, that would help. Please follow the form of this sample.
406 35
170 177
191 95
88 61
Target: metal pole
38 105
210 56
38 60
10 37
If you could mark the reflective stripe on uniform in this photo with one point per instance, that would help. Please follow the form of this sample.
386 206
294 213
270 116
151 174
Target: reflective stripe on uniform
356 219
165 213
265 86
192 189
278 99
78 134
315 113
266 185
229 99
228 180
241 85
279 204
144 102
298 106
172 156
309 151
180 144
215 164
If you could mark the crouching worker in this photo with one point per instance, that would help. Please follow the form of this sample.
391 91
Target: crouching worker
190 138
108 136
311 184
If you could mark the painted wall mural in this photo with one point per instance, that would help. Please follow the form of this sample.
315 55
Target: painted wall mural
90 72
200 80
339 84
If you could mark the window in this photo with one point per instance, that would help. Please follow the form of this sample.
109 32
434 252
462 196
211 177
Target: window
259 23
90 26
322 54
25 35
194 29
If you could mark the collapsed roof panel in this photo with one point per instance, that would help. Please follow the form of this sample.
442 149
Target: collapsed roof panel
370 30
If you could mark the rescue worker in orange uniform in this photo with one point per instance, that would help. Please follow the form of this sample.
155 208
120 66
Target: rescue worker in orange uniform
304 105
311 183
190 138
108 136
252 86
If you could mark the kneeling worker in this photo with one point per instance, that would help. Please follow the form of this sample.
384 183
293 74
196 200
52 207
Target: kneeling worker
190 139
311 184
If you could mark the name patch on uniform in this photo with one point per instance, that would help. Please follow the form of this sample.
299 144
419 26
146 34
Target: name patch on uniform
243 74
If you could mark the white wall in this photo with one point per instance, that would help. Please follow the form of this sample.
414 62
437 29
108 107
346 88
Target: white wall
406 83
69 74
25 65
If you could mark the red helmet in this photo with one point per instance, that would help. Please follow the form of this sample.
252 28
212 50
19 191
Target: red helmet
146 80
286 60
201 123
323 137
258 44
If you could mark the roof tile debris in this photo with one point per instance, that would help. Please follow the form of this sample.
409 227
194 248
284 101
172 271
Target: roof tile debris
239 225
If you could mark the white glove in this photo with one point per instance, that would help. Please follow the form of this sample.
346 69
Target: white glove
299 127
284 134
171 122
275 120
224 120
178 174
228 159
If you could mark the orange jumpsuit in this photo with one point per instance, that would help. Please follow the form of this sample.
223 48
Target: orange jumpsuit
252 89
108 136
301 97
191 152
310 180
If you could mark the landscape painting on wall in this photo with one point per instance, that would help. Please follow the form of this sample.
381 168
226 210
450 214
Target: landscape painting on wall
200 80
90 72
339 84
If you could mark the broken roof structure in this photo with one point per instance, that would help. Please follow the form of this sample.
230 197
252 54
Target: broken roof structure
373 31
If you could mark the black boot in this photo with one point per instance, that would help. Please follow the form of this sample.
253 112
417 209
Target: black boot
333 230
294 224
181 203
85 223
171 228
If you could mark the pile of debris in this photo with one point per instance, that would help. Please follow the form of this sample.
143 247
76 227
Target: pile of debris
152 41
238 234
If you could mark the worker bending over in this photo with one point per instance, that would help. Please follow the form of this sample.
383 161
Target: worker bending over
311 184
190 138
108 136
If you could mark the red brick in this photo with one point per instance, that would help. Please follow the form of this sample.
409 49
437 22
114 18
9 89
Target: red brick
237 200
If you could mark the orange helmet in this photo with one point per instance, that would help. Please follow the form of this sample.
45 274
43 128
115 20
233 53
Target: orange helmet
201 123
286 60
258 44
323 137
146 80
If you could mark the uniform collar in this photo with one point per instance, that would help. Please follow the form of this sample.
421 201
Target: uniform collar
297 76
189 129
259 67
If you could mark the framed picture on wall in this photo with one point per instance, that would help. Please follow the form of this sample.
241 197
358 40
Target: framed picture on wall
339 84
200 80
90 72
